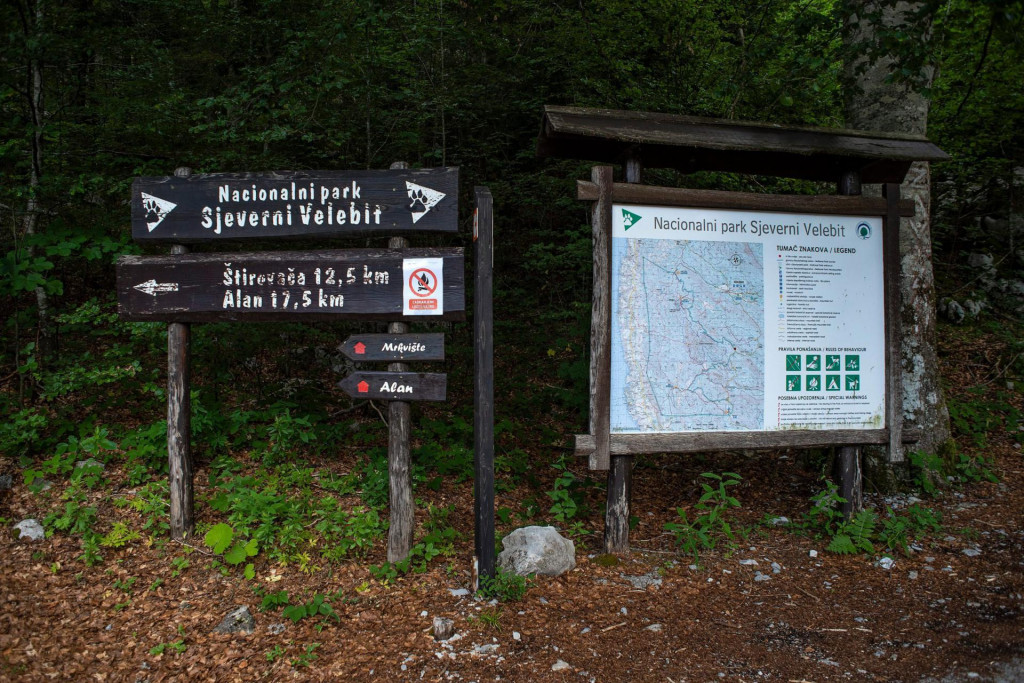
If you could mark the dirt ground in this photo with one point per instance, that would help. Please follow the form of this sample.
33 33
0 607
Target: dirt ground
951 610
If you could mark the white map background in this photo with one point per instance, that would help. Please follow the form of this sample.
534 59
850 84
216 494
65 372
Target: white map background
687 336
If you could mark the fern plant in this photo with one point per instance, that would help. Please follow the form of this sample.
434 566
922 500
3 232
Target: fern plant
855 536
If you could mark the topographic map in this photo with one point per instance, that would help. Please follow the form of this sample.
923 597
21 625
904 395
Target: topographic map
687 336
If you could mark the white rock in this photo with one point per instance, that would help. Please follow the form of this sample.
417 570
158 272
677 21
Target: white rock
458 592
886 563
537 550
748 563
30 529
560 666
517 636
813 553
654 628
972 552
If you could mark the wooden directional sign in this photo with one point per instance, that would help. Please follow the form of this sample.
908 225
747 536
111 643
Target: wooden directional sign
394 347
238 206
396 386
376 284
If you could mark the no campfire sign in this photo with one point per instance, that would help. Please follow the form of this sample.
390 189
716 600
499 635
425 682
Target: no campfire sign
423 290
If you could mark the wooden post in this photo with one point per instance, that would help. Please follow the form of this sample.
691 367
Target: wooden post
179 418
893 321
846 467
402 508
483 396
620 472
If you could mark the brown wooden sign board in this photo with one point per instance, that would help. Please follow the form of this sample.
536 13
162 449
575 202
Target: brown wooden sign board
282 286
246 206
393 347
396 386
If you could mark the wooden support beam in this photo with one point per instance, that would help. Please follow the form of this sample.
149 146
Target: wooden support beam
483 394
179 419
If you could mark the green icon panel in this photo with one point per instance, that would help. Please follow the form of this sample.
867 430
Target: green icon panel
793 363
793 382
833 383
813 382
853 382
813 363
853 363
833 363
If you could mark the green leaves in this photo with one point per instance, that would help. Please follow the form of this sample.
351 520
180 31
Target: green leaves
219 537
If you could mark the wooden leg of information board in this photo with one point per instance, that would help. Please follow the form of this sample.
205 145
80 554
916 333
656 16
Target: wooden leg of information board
403 513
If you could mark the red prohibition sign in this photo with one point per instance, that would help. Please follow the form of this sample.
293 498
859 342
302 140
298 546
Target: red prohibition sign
422 282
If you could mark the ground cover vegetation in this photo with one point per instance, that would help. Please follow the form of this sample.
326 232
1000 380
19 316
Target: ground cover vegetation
291 475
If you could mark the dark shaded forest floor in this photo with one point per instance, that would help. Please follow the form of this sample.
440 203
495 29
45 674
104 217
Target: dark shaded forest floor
949 609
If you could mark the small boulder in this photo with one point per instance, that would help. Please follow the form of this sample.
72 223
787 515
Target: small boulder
537 550
6 482
238 620
91 462
30 529
560 665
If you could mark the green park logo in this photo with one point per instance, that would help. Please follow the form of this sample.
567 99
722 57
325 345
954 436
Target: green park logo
629 219
863 231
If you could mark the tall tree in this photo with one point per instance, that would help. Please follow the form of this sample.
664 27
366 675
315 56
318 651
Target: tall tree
889 72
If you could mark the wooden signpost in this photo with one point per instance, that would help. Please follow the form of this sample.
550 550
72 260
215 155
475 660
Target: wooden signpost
396 386
483 394
239 206
395 284
393 347
366 284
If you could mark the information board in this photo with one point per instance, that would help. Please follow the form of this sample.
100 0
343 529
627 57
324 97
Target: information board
729 320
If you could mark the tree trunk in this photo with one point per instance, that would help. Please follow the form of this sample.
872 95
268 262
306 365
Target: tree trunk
875 102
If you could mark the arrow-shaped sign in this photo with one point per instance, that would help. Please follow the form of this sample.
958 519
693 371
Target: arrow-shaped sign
396 386
152 287
393 347
423 199
156 209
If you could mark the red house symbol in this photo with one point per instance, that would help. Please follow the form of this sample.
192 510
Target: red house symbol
360 348
363 387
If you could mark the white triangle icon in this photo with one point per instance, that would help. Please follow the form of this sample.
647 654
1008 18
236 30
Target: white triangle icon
423 199
156 210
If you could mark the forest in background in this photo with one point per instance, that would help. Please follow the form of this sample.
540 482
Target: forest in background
95 93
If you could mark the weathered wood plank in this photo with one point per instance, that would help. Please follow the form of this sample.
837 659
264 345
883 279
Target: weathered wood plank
832 205
696 442
693 144
894 322
396 386
275 286
483 394
601 320
248 206
365 348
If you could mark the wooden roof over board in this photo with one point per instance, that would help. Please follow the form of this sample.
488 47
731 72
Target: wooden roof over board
690 144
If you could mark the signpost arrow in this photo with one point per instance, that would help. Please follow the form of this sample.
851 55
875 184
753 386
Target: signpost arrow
396 386
393 347
152 287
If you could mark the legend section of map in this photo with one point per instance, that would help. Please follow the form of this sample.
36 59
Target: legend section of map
745 321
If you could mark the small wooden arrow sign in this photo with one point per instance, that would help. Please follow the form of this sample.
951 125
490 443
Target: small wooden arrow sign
396 386
394 347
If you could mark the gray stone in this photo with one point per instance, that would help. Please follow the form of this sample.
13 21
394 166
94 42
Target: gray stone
973 308
30 529
238 620
459 592
6 482
276 629
654 628
972 552
780 521
983 261
886 563
488 649
443 628
646 581
91 462
537 550
748 563
776 568
560 666
761 577
953 311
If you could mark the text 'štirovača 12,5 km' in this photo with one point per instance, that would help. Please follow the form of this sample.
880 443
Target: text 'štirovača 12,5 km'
233 206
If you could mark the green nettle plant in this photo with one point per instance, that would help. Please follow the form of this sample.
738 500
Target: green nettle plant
712 524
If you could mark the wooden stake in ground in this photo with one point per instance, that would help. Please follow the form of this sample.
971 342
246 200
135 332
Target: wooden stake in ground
483 395
402 509
179 418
